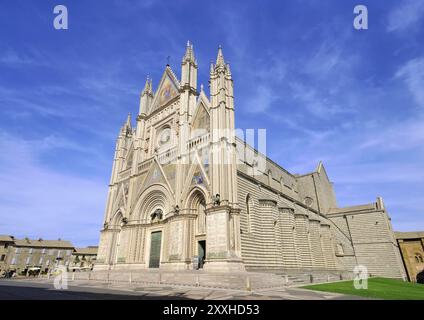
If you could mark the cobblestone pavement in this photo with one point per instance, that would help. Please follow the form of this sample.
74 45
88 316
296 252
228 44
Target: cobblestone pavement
44 289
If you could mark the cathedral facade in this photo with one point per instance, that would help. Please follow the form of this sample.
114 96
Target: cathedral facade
186 193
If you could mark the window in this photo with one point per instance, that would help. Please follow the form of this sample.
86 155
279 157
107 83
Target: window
269 177
27 260
13 260
68 252
30 251
58 253
40 262
3 257
340 249
43 251
249 227
17 250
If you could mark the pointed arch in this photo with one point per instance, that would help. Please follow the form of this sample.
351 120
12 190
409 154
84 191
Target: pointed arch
155 197
196 203
116 219
116 227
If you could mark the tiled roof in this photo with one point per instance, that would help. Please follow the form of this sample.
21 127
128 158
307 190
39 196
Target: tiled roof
409 235
44 243
86 251
7 238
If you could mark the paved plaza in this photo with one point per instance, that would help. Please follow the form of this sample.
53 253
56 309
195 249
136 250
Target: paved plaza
89 290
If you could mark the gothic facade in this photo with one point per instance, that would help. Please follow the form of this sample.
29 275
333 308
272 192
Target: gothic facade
185 193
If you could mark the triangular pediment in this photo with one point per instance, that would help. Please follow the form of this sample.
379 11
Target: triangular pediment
129 156
121 197
155 175
201 120
196 176
168 89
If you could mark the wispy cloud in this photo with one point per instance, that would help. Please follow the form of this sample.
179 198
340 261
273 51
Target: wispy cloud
406 15
13 58
413 75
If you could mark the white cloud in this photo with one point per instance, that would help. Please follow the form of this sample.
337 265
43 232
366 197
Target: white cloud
318 103
406 15
413 75
36 201
261 100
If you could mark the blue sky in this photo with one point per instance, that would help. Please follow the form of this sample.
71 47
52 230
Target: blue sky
323 90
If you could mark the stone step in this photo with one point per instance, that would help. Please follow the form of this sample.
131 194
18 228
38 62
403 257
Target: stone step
200 278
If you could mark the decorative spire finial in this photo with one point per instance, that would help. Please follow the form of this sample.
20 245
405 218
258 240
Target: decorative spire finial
189 54
220 58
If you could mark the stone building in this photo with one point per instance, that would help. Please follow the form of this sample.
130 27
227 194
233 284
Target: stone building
186 193
411 245
5 242
40 254
84 257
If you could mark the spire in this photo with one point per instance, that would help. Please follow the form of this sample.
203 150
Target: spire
126 128
146 86
189 53
220 58
212 68
228 70
150 87
128 123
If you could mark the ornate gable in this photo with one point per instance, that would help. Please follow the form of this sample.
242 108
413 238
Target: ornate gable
155 175
167 90
196 177
201 120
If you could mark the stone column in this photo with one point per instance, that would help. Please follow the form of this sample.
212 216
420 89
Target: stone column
318 260
138 244
222 240
327 246
288 236
270 237
178 249
302 239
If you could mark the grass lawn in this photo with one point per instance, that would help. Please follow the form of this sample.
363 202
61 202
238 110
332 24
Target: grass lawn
380 288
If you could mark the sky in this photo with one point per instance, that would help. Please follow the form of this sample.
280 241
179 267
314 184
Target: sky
322 89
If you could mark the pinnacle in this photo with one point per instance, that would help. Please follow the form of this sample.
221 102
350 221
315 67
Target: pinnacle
220 58
189 54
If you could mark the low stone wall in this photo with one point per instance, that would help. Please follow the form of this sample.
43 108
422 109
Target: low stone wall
238 281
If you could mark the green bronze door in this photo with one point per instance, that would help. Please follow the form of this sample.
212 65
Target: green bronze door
155 242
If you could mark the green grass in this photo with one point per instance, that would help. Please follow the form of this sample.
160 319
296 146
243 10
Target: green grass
381 288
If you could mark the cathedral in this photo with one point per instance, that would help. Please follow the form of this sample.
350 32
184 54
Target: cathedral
186 193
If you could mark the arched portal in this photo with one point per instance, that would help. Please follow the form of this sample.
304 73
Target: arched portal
116 226
197 206
152 209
